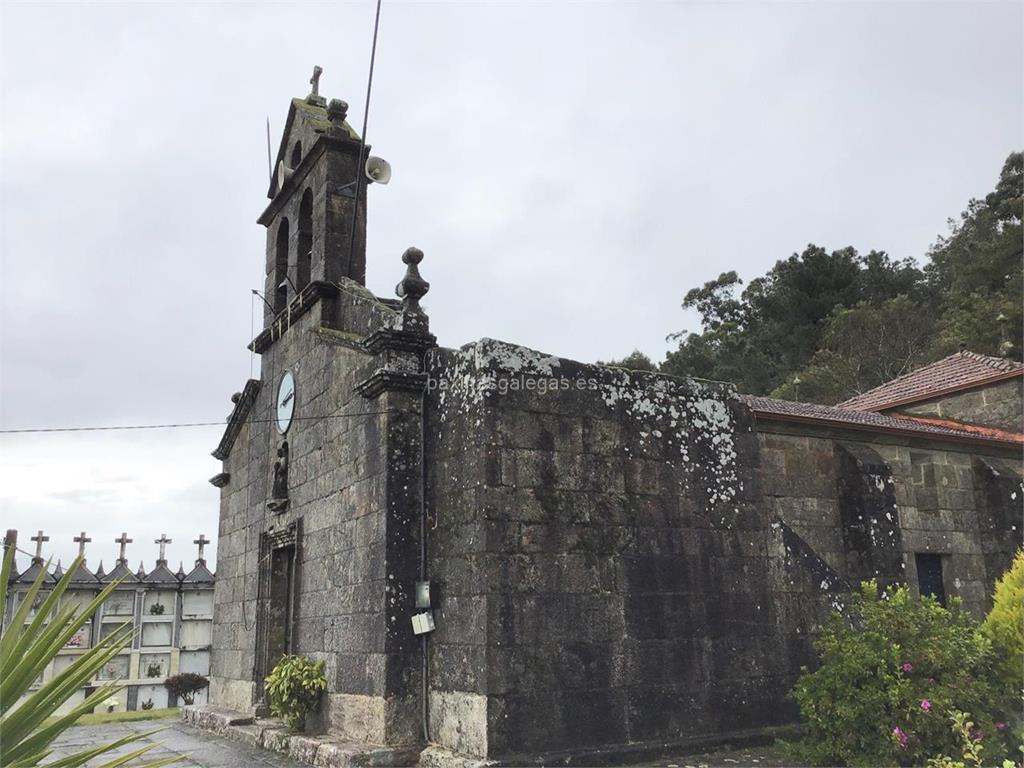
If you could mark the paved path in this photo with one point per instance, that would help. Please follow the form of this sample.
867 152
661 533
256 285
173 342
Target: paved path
199 748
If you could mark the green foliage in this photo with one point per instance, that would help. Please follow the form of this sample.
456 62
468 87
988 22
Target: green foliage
1004 627
27 720
777 324
970 744
861 347
889 670
294 687
977 270
185 685
842 322
635 361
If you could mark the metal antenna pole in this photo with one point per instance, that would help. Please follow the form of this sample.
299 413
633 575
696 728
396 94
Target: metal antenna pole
362 141
270 164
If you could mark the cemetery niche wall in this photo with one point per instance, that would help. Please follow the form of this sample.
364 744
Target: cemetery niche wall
171 612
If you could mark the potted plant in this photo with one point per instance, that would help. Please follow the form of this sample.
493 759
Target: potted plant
156 609
294 688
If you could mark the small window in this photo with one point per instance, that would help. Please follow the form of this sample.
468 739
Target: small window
929 576
296 154
281 268
305 259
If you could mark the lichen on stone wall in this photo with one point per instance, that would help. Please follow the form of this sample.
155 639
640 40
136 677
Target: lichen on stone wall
689 424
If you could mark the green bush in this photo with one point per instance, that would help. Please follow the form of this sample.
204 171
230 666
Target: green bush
294 688
892 670
972 745
185 686
1004 627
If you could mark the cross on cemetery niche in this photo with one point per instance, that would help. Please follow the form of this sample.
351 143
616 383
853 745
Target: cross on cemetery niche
202 541
39 539
81 540
315 80
163 541
124 541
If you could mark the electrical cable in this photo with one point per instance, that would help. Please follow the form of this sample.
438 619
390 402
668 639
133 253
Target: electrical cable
46 430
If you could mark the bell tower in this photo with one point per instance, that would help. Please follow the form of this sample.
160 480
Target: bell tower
316 226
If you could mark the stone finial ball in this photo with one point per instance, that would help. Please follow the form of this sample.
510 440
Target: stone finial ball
337 109
236 397
412 256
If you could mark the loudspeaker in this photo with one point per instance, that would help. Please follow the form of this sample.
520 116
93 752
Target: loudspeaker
378 169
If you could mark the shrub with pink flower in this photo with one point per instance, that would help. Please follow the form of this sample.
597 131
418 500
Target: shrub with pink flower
900 736
890 672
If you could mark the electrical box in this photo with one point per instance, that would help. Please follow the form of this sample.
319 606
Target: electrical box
422 594
423 623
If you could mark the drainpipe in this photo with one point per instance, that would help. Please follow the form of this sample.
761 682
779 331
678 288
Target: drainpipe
423 557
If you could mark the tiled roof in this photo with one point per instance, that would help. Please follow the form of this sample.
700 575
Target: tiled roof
199 575
876 422
958 371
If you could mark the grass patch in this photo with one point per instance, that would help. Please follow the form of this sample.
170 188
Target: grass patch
126 717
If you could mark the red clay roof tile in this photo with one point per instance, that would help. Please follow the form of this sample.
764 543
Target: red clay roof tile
958 371
844 417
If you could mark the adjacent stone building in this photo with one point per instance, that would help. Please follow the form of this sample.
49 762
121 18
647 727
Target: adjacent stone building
610 561
172 614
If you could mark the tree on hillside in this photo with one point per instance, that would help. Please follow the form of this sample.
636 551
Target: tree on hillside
634 361
823 326
976 271
862 347
776 325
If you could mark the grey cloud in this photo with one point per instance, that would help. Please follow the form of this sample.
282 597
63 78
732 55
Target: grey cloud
570 171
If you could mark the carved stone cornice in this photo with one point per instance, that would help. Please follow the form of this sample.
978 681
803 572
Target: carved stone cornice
389 339
384 380
244 402
308 297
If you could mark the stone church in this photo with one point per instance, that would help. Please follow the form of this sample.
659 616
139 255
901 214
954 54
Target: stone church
504 555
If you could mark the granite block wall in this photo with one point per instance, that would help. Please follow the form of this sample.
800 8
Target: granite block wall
605 568
999 405
617 557
876 502
357 547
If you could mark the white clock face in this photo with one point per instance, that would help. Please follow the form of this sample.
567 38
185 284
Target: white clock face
285 401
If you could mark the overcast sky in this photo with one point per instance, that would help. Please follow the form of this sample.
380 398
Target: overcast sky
569 169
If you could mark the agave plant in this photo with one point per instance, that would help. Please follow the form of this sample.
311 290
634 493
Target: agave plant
27 720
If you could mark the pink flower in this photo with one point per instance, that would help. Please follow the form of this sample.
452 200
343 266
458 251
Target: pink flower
926 705
1000 726
977 734
907 667
900 736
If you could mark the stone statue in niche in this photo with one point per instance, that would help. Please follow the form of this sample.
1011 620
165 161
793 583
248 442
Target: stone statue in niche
279 493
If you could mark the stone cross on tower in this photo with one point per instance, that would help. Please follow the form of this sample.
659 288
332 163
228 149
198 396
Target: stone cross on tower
314 97
202 541
81 540
124 541
39 539
163 541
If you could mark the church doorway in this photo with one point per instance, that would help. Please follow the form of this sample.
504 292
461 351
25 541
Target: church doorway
278 590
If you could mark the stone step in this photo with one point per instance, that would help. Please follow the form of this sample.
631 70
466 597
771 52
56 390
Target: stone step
321 750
